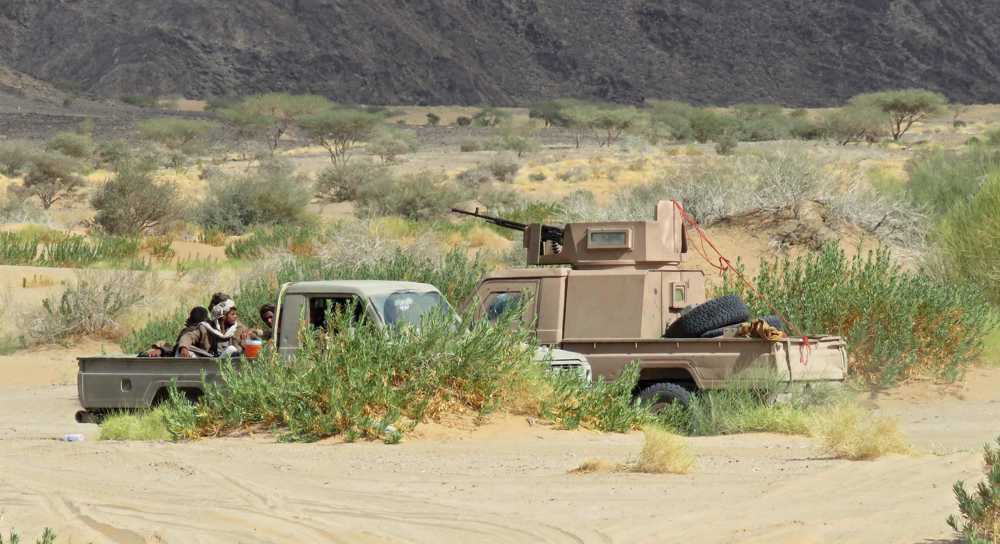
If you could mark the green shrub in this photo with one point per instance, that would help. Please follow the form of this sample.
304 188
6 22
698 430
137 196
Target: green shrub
463 121
474 177
344 182
146 426
16 157
940 180
387 145
762 122
141 101
112 153
854 123
297 240
433 119
490 117
271 194
515 142
16 249
606 406
133 202
175 133
469 147
419 196
670 120
726 144
707 125
980 521
897 324
993 137
61 250
71 144
968 240
537 176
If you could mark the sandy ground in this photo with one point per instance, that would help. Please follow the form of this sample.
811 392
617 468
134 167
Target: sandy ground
506 482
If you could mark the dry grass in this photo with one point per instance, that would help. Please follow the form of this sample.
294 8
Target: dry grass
664 453
847 431
590 466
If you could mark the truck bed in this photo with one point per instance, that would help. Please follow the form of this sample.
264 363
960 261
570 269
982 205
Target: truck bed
712 361
111 383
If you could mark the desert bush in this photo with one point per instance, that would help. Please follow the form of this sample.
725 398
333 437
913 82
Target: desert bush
707 125
726 144
419 196
268 117
469 147
61 250
463 121
604 405
112 153
940 180
344 182
846 431
762 122
897 324
980 512
516 142
387 145
537 177
269 195
853 123
992 137
490 117
801 126
48 537
71 144
474 177
134 202
16 157
968 243
433 119
51 177
503 168
902 108
663 453
92 306
669 120
140 101
15 208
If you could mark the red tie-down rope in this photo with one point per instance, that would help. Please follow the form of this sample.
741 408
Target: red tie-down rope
726 265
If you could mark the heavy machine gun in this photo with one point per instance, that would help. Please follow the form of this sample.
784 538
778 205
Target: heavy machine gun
551 237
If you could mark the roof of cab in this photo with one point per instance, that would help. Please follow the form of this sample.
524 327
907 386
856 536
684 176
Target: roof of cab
357 287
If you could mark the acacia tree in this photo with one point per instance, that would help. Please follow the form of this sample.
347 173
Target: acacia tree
174 133
270 116
51 177
612 122
579 119
903 107
339 129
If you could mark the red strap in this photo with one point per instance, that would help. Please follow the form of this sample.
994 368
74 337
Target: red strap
725 265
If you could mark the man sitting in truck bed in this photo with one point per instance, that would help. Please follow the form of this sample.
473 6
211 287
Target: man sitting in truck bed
223 335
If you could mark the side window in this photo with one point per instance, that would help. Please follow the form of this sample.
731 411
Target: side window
498 303
320 307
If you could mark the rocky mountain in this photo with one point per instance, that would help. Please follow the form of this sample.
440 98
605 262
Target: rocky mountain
794 52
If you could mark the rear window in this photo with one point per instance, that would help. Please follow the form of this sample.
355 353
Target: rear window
320 307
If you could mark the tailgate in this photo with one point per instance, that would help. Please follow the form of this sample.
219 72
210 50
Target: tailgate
816 359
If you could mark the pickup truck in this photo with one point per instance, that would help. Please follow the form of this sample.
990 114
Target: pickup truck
121 382
619 292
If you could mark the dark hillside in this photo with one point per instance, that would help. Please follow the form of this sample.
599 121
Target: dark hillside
801 52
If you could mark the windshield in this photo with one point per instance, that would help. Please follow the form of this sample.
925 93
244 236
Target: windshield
409 307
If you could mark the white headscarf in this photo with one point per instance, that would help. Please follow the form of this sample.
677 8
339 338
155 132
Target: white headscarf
218 312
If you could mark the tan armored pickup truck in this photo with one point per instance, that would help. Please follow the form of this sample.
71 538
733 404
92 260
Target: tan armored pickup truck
124 383
619 291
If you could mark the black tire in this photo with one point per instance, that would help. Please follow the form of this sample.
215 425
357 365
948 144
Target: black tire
714 314
660 395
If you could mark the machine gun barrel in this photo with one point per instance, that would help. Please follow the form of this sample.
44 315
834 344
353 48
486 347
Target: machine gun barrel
549 233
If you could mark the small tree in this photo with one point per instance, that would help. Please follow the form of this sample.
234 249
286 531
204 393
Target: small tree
175 133
389 144
339 129
707 125
490 117
271 116
133 202
553 112
853 124
519 142
580 118
433 119
16 157
344 182
612 122
51 177
903 108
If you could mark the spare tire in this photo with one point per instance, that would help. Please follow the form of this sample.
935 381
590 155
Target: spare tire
775 322
714 314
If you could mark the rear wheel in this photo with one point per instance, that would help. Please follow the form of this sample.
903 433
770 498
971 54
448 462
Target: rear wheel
659 396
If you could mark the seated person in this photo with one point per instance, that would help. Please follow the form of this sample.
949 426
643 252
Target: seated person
225 333
267 316
193 340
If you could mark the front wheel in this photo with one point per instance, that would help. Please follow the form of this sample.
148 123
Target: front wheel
659 396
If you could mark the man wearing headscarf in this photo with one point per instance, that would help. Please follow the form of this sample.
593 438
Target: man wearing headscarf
226 334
